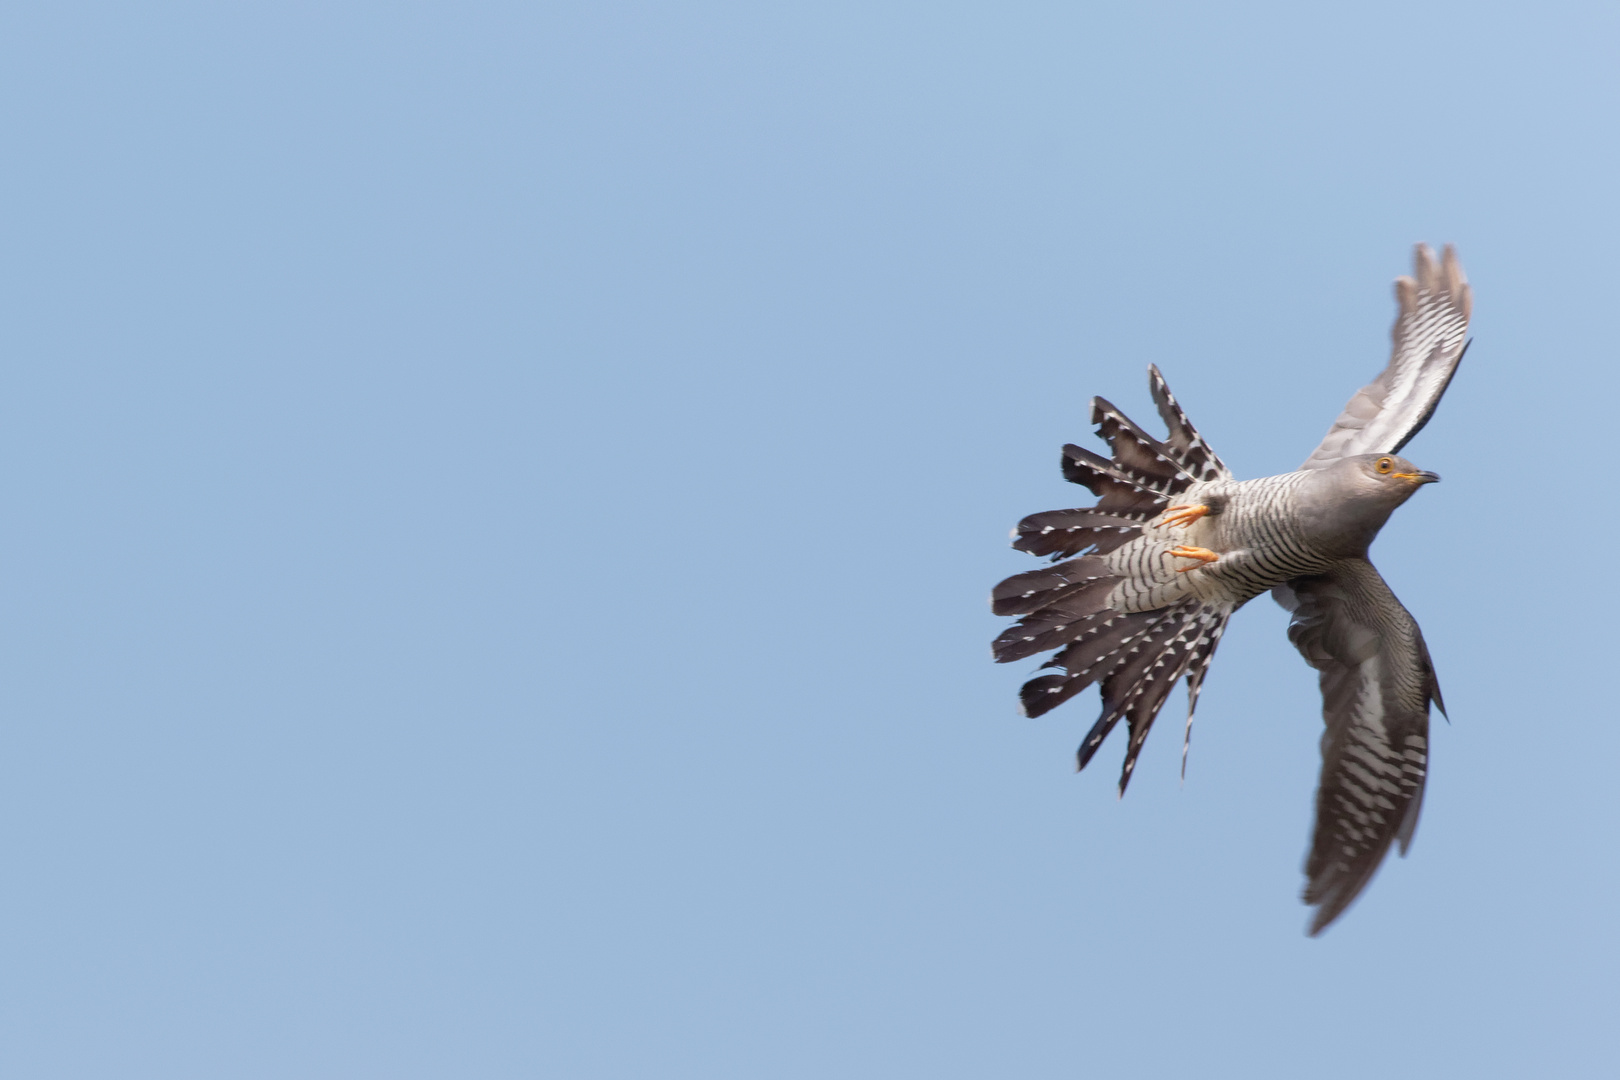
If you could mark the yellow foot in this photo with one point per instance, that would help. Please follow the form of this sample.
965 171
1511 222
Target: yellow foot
1183 515
1203 555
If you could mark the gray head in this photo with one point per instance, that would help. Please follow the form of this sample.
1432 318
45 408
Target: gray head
1355 496
1386 477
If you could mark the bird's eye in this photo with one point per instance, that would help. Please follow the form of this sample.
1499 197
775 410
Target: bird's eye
1384 465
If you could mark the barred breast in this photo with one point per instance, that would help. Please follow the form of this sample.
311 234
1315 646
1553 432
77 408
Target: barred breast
1254 527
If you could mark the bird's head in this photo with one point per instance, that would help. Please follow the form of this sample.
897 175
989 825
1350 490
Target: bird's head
1351 499
1386 477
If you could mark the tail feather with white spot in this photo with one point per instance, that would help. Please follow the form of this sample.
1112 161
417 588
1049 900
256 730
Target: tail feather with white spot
1134 657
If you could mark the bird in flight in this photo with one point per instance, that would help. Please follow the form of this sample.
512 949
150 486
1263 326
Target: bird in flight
1145 581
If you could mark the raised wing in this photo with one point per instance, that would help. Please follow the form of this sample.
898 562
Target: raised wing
1377 682
1430 335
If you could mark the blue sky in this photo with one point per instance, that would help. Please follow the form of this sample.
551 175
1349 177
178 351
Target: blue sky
500 501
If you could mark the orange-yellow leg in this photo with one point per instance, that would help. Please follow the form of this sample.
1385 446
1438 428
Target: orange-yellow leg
1203 555
1183 515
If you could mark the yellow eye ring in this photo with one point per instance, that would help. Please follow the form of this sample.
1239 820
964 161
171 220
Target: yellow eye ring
1384 465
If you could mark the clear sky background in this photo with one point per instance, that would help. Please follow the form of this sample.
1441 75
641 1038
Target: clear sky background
497 504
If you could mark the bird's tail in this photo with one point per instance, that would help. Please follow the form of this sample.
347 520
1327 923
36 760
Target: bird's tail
1136 657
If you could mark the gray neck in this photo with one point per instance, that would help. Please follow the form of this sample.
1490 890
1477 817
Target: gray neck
1341 517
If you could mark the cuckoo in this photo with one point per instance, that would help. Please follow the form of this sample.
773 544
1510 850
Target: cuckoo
1144 582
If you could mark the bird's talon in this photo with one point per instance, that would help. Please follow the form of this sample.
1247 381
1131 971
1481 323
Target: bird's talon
1183 515
1203 555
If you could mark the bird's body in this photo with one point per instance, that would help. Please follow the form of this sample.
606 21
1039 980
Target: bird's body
1255 528
1176 544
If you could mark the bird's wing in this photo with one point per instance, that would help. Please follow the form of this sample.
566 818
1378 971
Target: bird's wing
1430 335
1377 682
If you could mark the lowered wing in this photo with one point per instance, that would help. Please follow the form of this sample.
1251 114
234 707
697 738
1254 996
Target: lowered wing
1430 335
1377 682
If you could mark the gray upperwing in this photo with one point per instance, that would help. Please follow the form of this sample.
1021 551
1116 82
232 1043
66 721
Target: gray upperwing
1430 335
1377 682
